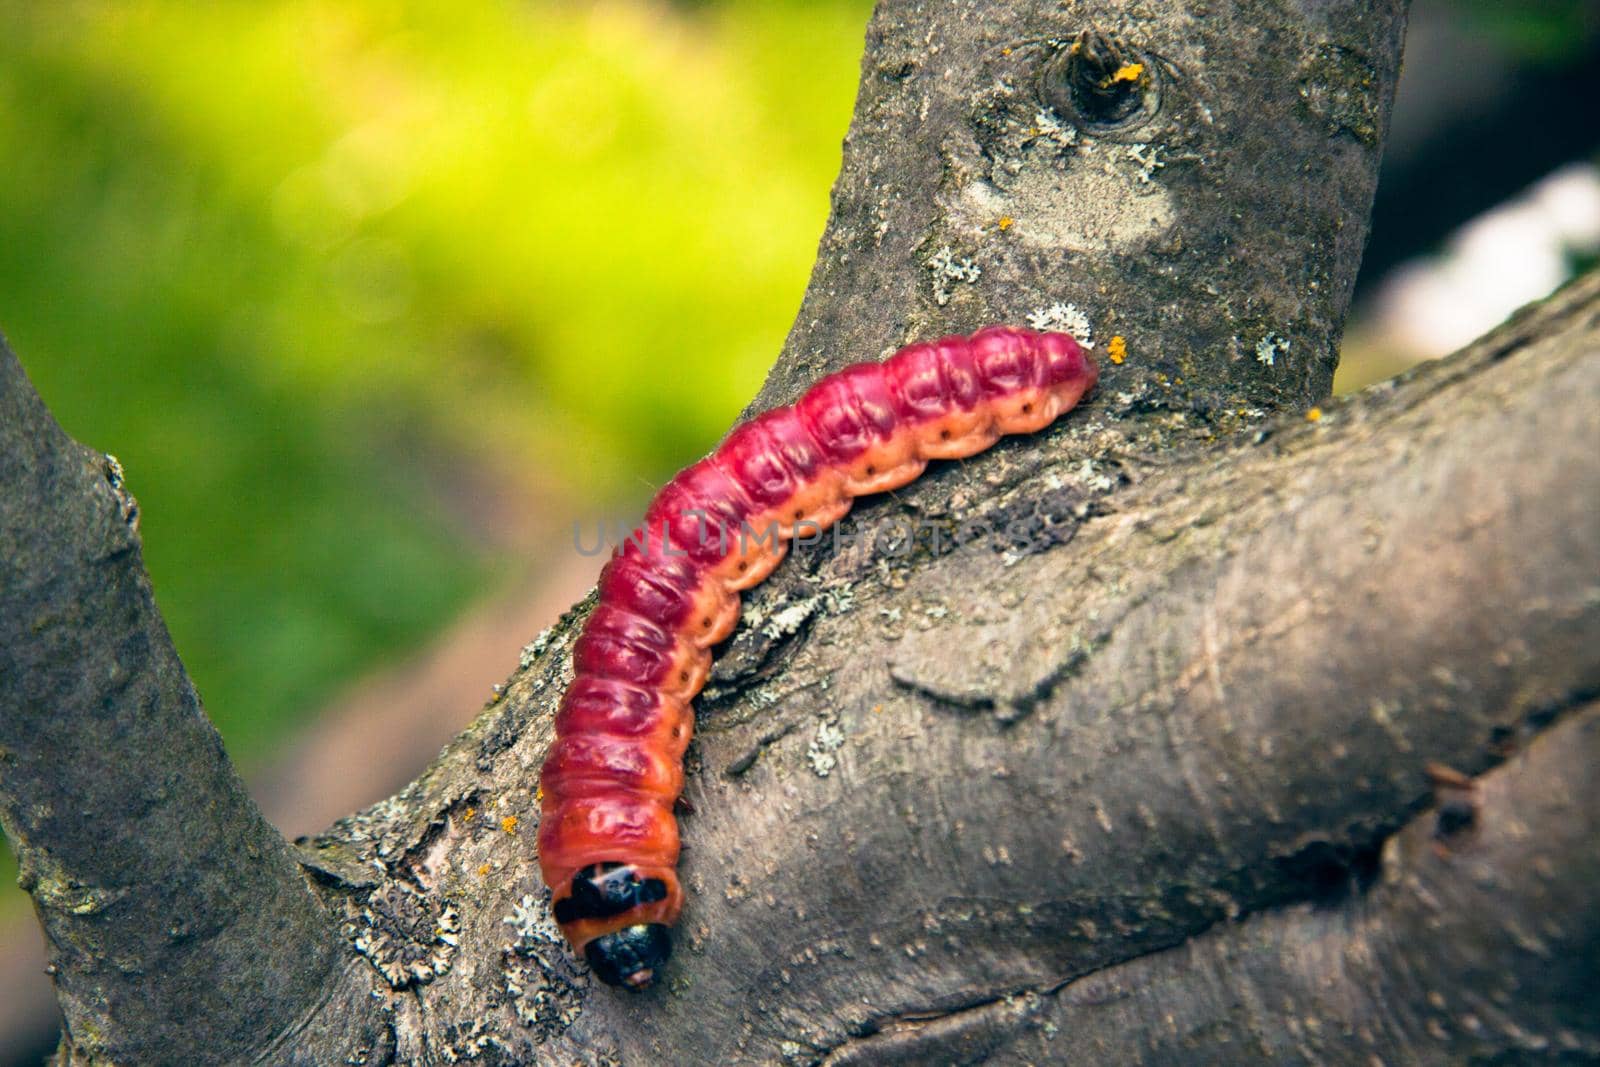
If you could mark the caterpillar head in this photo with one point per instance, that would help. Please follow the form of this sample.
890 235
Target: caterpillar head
632 957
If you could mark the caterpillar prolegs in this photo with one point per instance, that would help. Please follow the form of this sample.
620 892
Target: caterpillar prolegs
608 839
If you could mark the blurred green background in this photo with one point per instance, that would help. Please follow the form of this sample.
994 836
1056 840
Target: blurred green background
306 267
355 290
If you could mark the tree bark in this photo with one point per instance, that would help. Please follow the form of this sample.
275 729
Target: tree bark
165 897
1267 737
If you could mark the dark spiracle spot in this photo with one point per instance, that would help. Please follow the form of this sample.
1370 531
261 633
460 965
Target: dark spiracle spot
1103 85
602 890
631 957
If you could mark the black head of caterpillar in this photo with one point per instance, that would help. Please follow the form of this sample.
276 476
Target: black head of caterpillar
631 956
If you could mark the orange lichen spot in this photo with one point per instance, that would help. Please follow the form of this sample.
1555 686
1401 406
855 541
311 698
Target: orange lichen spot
877 709
1005 51
509 824
483 871
1314 414
1128 72
1117 349
469 814
538 793
1005 223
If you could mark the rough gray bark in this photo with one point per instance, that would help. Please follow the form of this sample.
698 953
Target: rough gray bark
1136 771
1227 210
164 894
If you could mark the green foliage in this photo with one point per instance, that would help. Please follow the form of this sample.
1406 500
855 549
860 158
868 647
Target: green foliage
280 257
1553 32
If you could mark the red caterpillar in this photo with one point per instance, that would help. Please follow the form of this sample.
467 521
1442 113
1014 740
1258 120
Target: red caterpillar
608 841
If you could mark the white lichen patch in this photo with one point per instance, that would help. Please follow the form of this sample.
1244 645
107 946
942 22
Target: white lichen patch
1094 479
796 1053
1063 318
787 620
464 1042
1270 347
948 271
998 87
448 930
1148 156
535 648
402 935
820 754
527 919
837 597
542 979
1046 127
777 622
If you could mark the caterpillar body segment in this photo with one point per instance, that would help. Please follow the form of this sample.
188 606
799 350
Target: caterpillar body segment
608 837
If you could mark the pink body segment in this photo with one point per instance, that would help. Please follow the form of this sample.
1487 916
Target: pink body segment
608 837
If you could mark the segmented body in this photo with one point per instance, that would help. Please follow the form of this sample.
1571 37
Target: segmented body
608 838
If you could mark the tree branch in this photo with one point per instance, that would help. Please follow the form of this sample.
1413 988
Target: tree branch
1203 659
179 927
1228 208
1477 944
1221 698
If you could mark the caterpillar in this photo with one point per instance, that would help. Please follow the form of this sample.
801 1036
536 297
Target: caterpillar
608 838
